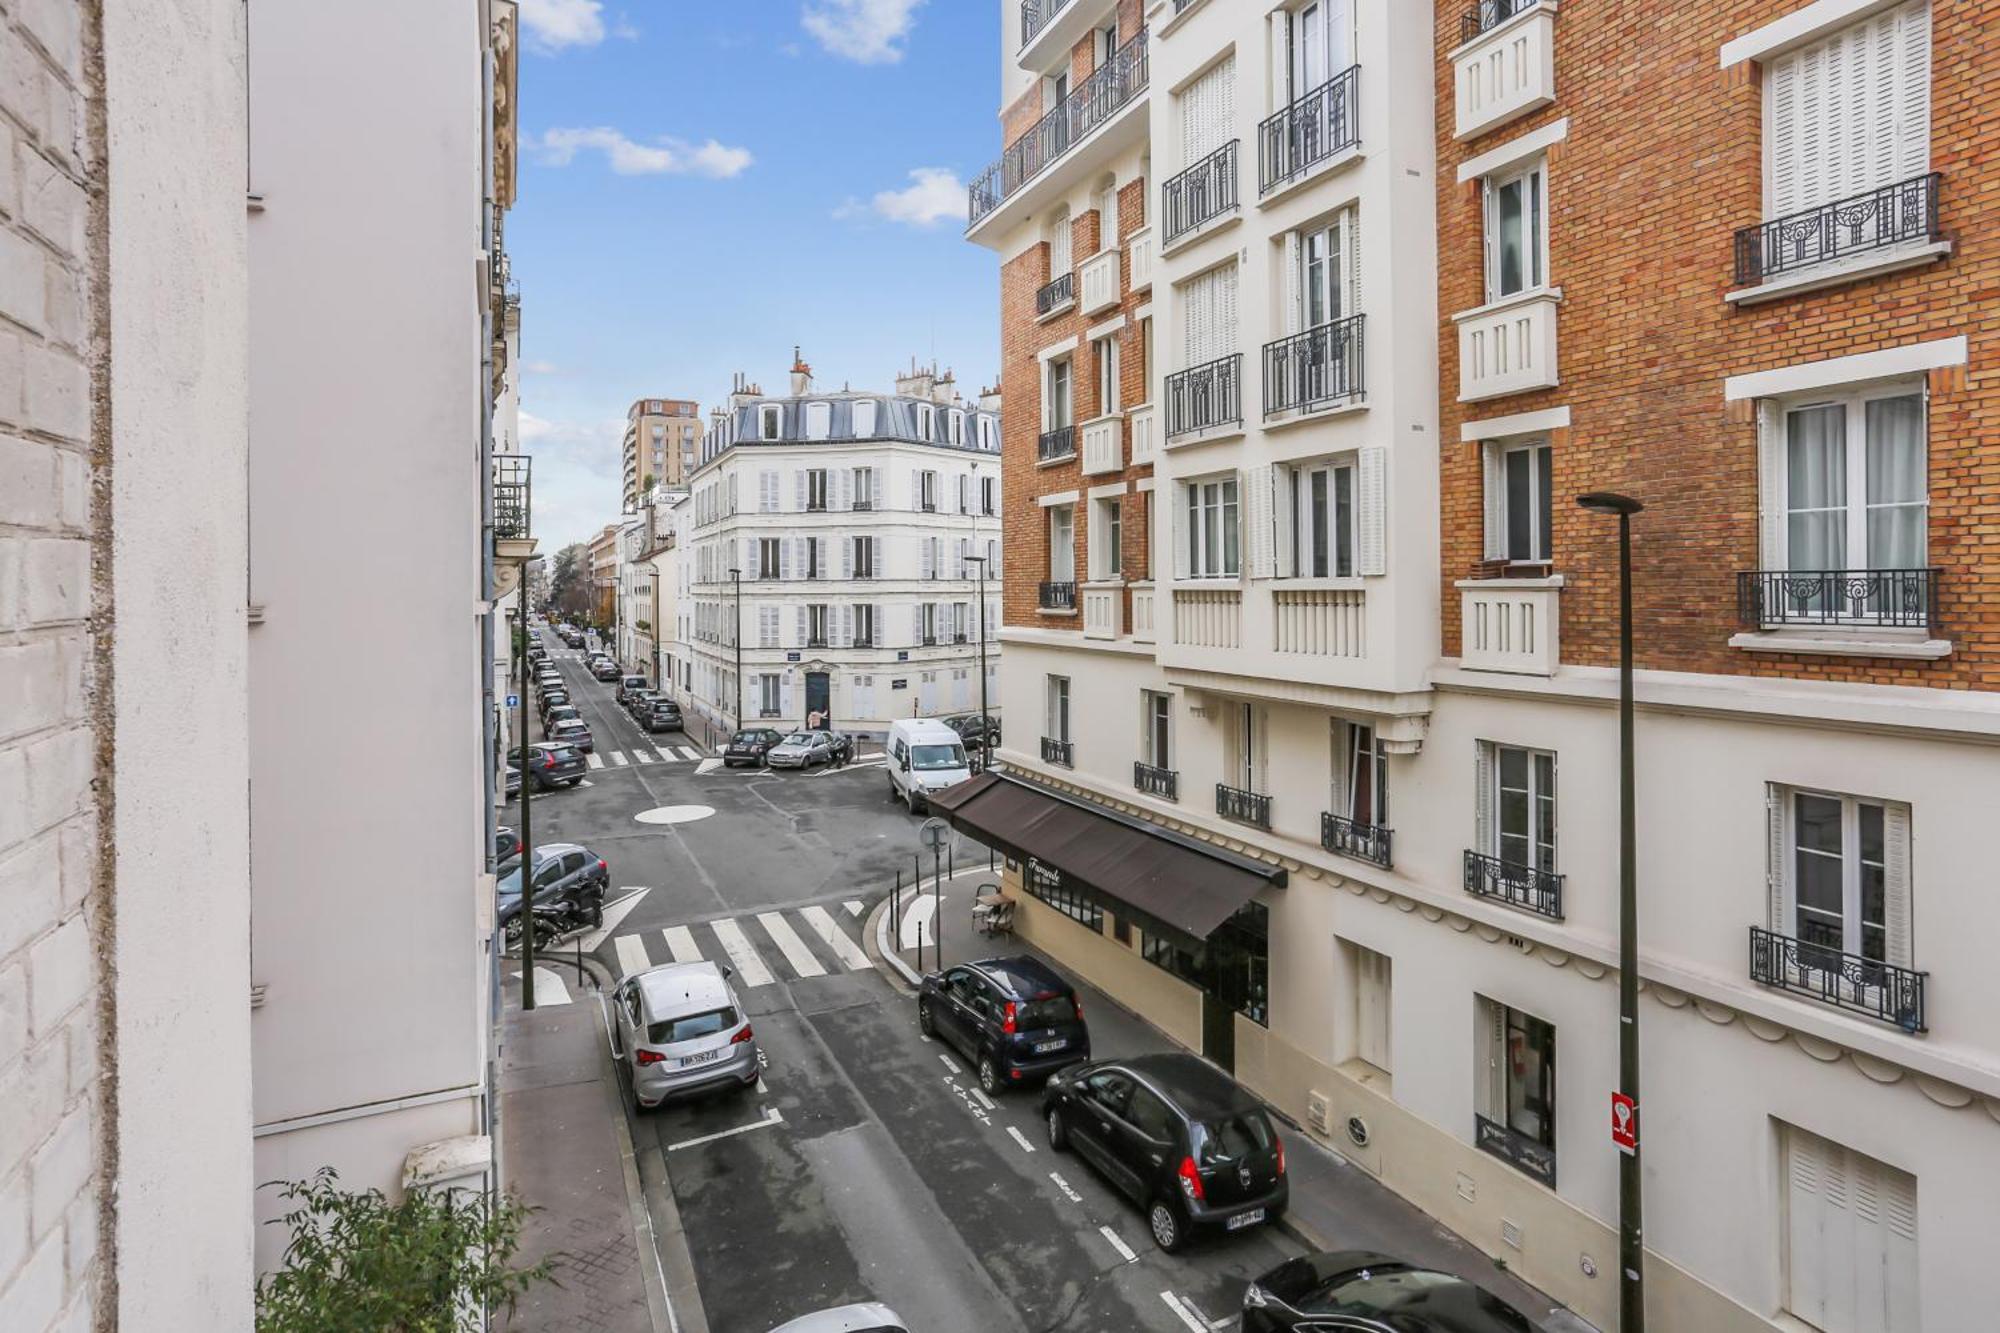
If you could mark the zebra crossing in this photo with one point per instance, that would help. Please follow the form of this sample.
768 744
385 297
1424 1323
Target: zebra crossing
762 948
660 754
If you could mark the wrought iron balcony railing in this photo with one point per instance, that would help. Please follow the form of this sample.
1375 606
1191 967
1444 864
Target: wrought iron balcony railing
1051 445
1053 296
1322 123
1245 807
1847 981
1206 395
1532 890
864 641
1350 837
1489 14
1163 782
513 496
1058 595
862 506
1058 752
927 641
1035 15
1204 191
1093 102
817 641
1891 215
1864 598
1310 369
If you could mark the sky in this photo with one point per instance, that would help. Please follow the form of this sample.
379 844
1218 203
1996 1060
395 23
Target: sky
705 183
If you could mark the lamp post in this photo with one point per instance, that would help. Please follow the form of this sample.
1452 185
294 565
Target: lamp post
736 577
1631 1238
985 723
527 822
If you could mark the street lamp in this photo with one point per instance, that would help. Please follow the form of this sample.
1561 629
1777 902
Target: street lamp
527 822
985 723
1631 1241
736 577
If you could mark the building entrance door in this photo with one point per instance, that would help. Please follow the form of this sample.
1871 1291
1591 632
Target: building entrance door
819 700
1218 1030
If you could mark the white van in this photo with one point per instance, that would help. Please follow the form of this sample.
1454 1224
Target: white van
925 756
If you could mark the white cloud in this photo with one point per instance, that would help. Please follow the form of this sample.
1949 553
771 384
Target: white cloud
578 475
868 31
627 157
538 368
934 195
551 25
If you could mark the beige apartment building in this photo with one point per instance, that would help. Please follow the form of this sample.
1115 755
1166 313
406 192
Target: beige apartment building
662 443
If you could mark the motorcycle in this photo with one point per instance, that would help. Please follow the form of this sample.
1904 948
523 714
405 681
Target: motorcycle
556 921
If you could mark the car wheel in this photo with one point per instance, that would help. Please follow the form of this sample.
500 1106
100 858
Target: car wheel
910 799
990 1081
597 912
1165 1224
1058 1131
925 1023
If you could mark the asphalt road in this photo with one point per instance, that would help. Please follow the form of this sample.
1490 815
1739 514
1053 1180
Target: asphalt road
866 1166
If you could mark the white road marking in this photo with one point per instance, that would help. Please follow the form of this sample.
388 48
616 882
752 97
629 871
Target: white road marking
854 906
1124 1250
632 955
549 988
641 757
1020 1138
707 766
1218 1324
615 913
680 943
689 752
831 935
762 1091
1066 1188
618 758
1187 1316
593 761
741 955
950 1063
917 921
986 1101
790 945
771 1117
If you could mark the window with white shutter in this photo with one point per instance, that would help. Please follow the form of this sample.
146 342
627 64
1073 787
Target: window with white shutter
1849 113
1208 112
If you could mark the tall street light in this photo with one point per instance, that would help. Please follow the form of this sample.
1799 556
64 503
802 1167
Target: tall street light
1631 1239
736 577
527 818
985 723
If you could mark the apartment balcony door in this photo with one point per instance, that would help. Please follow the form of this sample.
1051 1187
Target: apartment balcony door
819 699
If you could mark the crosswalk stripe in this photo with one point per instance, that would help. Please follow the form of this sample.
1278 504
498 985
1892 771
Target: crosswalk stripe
632 956
618 758
845 949
690 754
789 944
593 761
641 757
854 906
680 943
741 955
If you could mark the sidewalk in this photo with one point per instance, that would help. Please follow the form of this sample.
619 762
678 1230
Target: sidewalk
1335 1206
566 1152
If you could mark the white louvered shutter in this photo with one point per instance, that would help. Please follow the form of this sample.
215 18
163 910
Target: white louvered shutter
1912 25
825 556
1771 484
875 557
916 488
1849 113
1493 481
767 492
1198 319
846 558
799 490
843 488
1777 858
1338 759
1350 260
801 618
924 565
785 558
1897 923
1295 297
875 487
843 619
1207 111
1282 504
1180 531
1486 839
1371 538
1257 508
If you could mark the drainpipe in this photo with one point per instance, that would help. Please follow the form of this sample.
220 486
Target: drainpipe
488 718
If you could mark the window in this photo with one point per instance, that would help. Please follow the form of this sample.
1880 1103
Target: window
1208 112
961 620
767 558
1519 492
864 420
1316 45
1156 716
1849 113
1212 532
986 440
1104 42
819 420
1369 976
926 421
1146 351
814 550
1324 275
1104 359
864 488
1365 775
863 555
1056 889
864 625
1239 957
1059 244
1244 768
1321 507
1841 873
1175 958
1057 404
927 492
1056 719
955 427
1105 534
816 488
1105 200
767 492
989 495
1849 1236
1518 1089
1523 815
927 620
1208 310
770 422
767 696
1062 544
816 622
1856 490
1516 233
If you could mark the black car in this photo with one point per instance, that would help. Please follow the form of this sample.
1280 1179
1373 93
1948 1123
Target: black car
1014 1018
565 873
551 701
749 746
556 765
976 731
572 731
664 715
639 702
1176 1135
1371 1293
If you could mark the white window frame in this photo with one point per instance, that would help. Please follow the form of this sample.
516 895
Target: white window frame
955 427
1307 519
927 491
1783 802
770 422
1055 707
1105 532
1535 218
1543 811
1858 503
1156 729
1062 543
989 496
864 418
1363 752
1105 368
862 494
1058 393
1499 501
819 420
1211 505
1247 736
819 488
864 625
926 421
770 558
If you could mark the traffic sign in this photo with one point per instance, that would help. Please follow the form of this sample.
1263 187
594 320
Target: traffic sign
933 833
513 701
1624 1123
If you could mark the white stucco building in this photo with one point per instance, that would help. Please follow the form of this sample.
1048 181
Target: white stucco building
857 522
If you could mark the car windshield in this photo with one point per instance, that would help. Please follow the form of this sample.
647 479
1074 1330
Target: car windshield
1232 1137
799 738
746 738
689 1026
1046 1011
931 758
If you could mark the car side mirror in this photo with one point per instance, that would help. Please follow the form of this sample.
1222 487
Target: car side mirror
727 972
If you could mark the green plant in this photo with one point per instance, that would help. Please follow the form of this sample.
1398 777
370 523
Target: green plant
643 626
358 1263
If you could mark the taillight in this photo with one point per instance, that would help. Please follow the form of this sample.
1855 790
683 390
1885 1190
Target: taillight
518 846
1007 1018
548 761
744 1035
1079 1008
1191 1181
1281 1153
650 1057
601 865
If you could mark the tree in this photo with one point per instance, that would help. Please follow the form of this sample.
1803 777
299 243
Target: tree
569 584
357 1263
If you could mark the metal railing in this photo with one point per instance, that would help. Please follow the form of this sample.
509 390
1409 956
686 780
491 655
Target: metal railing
1207 395
1891 215
1051 445
863 641
927 641
1204 191
1489 14
1057 595
1163 782
1848 981
1245 807
1058 752
1321 365
513 496
1537 891
1350 837
1054 295
1312 129
817 641
1867 598
1094 101
1035 15
862 506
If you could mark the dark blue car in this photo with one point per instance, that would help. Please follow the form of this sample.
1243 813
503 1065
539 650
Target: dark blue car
1014 1018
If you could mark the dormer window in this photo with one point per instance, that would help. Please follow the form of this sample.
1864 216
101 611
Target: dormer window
819 420
864 419
955 422
770 422
926 421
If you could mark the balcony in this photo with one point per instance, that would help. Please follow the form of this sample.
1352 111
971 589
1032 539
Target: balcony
818 641
1856 598
1058 752
1056 446
862 506
1204 397
1505 64
1143 630
1320 622
1821 971
1364 842
1164 783
1843 236
1315 369
1510 625
513 497
1208 617
1103 609
1052 298
1201 194
863 641
1140 246
1531 890
1507 346
1035 16
1093 104
1244 807
1145 435
1056 595
1101 446
1100 281
1316 128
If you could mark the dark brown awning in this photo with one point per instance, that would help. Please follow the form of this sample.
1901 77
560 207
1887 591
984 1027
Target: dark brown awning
1165 877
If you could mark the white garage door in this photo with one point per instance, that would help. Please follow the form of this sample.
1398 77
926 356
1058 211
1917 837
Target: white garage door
1850 1238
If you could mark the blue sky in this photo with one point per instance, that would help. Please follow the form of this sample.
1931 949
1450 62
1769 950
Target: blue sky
706 182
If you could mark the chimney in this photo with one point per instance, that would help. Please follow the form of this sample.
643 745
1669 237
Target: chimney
918 382
802 374
989 399
945 391
742 392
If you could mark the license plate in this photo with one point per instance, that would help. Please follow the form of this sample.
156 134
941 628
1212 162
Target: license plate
705 1056
1241 1220
1044 1046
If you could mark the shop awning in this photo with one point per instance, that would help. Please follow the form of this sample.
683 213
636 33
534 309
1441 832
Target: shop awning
1167 878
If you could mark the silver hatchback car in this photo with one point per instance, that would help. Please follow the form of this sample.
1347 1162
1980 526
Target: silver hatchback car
680 1030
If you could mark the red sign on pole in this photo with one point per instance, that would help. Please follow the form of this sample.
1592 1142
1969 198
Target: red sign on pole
1624 1122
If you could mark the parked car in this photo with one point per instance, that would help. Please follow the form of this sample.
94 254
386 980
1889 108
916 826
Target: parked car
975 731
664 715
1177 1136
565 873
552 700
1013 1018
604 669
572 731
924 756
511 784
549 681
749 746
637 701
865 1318
560 713
506 842
627 684
801 749
574 638
1371 1293
680 1030
556 765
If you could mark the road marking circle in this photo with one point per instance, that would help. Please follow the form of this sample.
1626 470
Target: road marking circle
674 814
